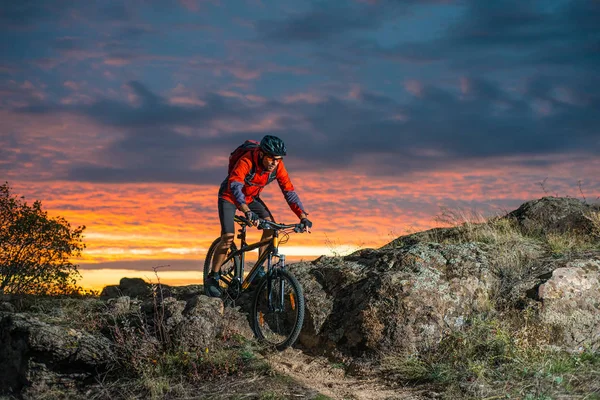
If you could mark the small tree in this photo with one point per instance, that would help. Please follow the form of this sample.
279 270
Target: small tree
35 250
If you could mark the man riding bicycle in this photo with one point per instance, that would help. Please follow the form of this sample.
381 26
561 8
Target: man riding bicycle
255 169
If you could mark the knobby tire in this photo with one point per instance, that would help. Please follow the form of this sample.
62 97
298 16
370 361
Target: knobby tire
279 329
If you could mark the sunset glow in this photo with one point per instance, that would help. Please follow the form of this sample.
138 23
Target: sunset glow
121 118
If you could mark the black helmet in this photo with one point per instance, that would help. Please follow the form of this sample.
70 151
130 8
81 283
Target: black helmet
273 145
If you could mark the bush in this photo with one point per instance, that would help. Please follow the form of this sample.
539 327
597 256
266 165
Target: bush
35 250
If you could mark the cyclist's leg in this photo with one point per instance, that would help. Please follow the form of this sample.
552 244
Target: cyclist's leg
261 209
226 214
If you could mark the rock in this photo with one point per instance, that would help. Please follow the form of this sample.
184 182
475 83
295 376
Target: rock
571 304
6 307
202 322
135 288
186 292
110 292
31 350
400 300
171 311
119 306
188 326
557 215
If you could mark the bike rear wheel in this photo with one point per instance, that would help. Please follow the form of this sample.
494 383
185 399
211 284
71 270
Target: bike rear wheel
277 321
228 270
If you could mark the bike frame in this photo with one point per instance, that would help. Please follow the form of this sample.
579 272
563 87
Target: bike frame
277 297
267 255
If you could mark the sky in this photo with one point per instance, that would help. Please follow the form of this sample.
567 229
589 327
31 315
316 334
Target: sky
120 116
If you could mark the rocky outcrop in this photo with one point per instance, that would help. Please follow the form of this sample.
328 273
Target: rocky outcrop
400 300
405 296
557 215
34 353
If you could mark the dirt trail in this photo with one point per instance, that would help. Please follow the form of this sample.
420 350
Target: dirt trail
329 379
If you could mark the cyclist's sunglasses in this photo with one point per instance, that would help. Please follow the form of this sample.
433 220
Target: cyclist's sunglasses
271 158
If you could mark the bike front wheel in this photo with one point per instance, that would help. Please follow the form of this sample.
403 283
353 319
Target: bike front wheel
278 310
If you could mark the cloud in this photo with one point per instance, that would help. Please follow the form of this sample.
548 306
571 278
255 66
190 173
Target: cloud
28 13
326 21
473 36
22 13
320 24
440 128
510 34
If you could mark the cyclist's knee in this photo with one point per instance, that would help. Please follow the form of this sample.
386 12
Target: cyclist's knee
267 233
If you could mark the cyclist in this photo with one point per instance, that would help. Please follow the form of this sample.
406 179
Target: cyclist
241 190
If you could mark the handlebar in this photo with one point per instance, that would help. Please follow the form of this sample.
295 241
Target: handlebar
265 224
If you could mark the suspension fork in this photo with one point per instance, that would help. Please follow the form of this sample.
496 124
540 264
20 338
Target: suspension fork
280 301
239 272
281 284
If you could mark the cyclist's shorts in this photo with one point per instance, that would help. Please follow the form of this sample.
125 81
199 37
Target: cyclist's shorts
227 212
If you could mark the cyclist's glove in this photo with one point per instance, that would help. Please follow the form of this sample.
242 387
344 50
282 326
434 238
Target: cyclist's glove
305 224
252 217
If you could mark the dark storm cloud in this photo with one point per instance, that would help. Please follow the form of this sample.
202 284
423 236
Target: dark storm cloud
22 13
329 20
511 33
524 24
26 13
151 111
437 128
499 34
116 11
322 23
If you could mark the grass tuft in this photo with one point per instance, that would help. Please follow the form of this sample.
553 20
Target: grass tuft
491 356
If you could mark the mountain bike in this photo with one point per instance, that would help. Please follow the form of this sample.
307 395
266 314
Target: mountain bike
277 310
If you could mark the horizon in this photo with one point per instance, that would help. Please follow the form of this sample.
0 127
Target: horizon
121 117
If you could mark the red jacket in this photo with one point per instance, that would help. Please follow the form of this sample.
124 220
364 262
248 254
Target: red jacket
248 178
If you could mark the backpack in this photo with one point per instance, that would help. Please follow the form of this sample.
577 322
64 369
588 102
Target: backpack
239 152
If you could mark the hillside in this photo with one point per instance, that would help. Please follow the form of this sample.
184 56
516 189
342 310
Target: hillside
505 308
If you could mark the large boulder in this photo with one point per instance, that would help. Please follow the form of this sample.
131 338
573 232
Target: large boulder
130 287
195 324
34 353
202 322
400 300
571 304
557 215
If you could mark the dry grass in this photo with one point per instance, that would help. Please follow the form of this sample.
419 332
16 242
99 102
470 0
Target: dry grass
504 234
567 243
594 218
494 356
473 226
